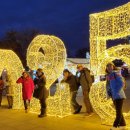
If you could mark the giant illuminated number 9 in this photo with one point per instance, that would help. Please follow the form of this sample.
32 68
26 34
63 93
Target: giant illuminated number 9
50 53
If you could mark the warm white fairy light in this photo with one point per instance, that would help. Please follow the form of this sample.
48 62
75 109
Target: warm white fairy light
12 64
49 52
111 24
59 104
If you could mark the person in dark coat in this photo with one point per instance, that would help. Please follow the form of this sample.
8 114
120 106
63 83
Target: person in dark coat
85 80
71 80
40 83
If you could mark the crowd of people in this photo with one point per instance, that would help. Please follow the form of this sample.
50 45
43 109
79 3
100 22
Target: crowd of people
30 87
84 79
37 88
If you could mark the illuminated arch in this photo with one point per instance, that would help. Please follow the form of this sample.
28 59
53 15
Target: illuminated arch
111 24
10 61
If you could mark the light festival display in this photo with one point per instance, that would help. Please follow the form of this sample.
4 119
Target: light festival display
109 25
11 64
50 53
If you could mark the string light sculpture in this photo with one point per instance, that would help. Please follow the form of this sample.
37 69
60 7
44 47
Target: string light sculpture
103 107
101 104
119 51
11 63
59 105
49 52
111 24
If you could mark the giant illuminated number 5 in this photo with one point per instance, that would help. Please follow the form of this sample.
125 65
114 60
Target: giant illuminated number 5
111 24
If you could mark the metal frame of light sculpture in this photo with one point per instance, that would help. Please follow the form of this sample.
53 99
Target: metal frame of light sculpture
111 24
11 62
50 53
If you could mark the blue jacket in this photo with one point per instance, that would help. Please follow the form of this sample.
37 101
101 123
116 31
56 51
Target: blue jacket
114 86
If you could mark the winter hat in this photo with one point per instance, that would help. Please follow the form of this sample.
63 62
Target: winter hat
40 70
79 65
27 68
66 70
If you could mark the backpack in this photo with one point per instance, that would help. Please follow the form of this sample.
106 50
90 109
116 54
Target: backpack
92 76
93 79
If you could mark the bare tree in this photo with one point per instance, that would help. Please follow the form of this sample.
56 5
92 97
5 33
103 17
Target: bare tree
18 41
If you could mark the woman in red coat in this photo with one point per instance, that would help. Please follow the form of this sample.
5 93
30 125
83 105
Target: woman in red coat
27 89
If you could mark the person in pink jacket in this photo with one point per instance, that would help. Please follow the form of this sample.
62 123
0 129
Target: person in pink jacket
27 89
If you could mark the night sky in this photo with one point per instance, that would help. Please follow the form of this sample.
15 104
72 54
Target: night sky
67 19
